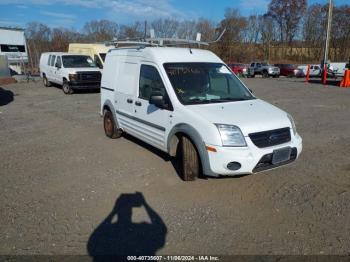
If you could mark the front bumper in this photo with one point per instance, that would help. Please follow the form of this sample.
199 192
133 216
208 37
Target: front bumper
85 85
273 73
251 158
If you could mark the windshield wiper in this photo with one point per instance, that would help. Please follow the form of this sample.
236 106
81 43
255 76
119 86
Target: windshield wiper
229 99
198 101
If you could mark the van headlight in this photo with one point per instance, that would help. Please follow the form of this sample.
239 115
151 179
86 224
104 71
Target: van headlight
231 135
292 123
72 77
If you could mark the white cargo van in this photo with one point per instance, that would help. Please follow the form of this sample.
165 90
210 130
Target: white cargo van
72 71
188 103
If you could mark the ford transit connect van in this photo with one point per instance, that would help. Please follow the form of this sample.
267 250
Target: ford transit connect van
71 71
188 103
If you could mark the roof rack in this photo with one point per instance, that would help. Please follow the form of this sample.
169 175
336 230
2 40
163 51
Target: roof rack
158 41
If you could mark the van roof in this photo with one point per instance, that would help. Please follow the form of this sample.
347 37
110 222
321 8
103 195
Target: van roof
97 46
61 53
168 54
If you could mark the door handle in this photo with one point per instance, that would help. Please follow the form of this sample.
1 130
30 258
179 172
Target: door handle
129 100
138 103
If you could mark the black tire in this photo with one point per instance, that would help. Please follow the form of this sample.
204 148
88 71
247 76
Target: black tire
67 89
190 160
46 82
252 76
109 125
265 74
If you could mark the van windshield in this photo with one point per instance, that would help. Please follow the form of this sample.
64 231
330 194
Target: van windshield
201 83
75 61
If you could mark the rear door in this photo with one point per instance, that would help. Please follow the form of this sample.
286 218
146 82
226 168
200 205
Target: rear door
51 69
126 83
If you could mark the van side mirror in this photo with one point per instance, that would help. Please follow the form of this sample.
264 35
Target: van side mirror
57 65
158 101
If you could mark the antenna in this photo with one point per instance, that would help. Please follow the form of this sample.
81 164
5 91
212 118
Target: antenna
151 31
145 31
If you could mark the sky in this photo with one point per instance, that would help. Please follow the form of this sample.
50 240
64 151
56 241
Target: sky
74 13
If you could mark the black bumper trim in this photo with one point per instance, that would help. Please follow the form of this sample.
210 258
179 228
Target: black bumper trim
105 88
265 162
85 85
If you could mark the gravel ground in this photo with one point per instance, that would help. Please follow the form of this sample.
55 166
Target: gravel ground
61 177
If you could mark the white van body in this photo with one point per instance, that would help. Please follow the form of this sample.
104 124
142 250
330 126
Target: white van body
338 67
54 70
206 125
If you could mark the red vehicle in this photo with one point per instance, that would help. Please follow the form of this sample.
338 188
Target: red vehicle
241 69
237 68
287 69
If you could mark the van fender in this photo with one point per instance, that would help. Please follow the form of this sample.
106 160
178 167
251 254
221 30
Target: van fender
109 105
196 138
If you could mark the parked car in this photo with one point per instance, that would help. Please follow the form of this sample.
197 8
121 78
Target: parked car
189 104
315 70
241 69
264 69
288 70
71 71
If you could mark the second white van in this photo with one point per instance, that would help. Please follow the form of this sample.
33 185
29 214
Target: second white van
71 71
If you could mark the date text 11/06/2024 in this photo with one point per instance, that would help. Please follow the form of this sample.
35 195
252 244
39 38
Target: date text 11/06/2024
173 258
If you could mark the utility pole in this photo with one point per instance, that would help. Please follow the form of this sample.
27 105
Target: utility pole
329 26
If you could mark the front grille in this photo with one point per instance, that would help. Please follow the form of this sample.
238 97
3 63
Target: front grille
266 161
271 137
89 76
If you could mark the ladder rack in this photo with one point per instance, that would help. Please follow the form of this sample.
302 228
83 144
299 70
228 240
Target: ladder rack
158 41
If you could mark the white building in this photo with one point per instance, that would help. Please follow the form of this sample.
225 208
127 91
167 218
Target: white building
13 45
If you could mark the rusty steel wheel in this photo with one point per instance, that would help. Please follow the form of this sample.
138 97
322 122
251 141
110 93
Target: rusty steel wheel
109 125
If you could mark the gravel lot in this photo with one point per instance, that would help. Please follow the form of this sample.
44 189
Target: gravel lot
61 177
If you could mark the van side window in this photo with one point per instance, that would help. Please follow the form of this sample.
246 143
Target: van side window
150 82
59 62
53 60
49 61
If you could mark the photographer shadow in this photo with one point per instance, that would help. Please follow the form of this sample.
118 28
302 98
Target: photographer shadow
117 235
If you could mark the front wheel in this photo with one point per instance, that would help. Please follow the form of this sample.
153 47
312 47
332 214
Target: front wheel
190 160
265 74
67 89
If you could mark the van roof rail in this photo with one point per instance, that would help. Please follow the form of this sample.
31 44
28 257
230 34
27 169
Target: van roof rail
159 41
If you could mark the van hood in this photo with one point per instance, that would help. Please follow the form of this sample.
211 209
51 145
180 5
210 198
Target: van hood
84 69
250 116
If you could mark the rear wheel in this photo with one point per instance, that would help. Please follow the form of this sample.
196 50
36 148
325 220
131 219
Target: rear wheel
190 160
67 89
110 127
46 82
